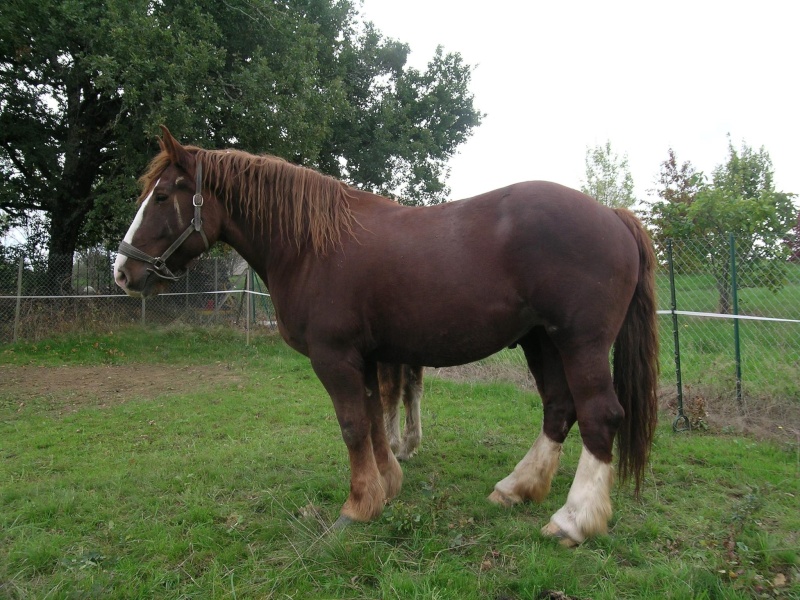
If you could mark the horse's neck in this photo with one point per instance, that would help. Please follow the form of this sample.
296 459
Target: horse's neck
260 244
252 243
269 245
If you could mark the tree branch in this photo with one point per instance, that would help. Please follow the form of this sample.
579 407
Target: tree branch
19 165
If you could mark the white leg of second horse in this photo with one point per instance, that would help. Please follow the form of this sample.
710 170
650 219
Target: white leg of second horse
391 420
412 397
588 507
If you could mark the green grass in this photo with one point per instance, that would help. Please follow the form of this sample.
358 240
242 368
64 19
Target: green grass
770 357
175 344
226 492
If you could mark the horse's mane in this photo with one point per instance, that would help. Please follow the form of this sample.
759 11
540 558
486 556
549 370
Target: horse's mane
307 205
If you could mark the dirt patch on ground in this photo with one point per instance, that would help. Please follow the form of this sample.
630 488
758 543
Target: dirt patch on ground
486 372
776 419
68 388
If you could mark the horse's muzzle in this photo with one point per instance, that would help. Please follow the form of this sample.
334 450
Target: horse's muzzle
147 285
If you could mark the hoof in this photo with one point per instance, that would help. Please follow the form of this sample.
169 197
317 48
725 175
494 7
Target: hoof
342 522
554 531
403 455
501 499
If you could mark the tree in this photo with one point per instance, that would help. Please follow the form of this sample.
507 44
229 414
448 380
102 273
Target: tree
413 122
740 200
793 242
677 189
85 84
608 177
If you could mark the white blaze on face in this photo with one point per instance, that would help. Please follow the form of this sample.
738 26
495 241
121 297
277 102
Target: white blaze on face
137 221
177 206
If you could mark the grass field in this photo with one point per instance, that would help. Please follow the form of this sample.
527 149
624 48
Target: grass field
183 464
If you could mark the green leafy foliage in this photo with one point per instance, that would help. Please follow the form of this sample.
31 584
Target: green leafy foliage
741 199
608 177
84 86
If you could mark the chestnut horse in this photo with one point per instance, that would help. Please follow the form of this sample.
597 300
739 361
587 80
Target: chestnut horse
358 280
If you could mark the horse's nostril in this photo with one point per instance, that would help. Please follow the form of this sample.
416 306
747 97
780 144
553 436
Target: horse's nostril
121 278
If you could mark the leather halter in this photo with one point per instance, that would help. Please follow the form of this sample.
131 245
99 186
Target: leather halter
159 268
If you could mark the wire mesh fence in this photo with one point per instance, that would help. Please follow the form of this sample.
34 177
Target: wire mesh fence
737 314
42 298
749 359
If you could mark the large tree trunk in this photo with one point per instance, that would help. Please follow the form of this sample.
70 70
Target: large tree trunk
89 116
66 221
722 276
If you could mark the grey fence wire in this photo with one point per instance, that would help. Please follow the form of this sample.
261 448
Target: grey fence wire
746 360
35 304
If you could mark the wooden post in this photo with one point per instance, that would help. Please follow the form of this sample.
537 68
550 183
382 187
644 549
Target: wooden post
737 351
18 308
248 285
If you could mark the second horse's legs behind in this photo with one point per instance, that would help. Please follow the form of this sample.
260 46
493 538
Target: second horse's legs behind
396 382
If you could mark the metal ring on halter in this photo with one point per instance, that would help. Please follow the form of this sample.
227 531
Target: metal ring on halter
159 263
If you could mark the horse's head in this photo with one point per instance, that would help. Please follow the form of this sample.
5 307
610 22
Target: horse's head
176 222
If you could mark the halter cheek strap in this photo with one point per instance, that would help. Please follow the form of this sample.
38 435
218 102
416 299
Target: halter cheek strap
159 268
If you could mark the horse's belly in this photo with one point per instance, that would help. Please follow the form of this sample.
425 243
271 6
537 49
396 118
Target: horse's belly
445 342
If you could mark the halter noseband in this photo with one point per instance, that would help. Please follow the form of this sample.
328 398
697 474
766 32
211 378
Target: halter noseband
159 268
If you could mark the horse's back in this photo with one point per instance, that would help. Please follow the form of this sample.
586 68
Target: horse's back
458 281
531 235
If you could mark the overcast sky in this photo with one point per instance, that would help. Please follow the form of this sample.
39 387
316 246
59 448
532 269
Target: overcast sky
557 77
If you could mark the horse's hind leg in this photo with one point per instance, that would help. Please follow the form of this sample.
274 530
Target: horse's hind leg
412 395
533 475
390 378
588 507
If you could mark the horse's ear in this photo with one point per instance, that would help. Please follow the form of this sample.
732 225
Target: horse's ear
177 153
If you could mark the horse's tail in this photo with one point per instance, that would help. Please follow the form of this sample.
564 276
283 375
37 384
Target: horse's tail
636 362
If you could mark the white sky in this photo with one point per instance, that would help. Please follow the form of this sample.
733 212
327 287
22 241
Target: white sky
557 77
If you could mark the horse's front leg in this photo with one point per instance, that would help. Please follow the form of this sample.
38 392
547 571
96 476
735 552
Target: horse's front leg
375 475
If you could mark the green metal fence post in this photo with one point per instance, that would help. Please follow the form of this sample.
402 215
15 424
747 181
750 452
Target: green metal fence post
681 422
736 342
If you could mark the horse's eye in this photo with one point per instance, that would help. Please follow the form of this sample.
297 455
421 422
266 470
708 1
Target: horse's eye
161 197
